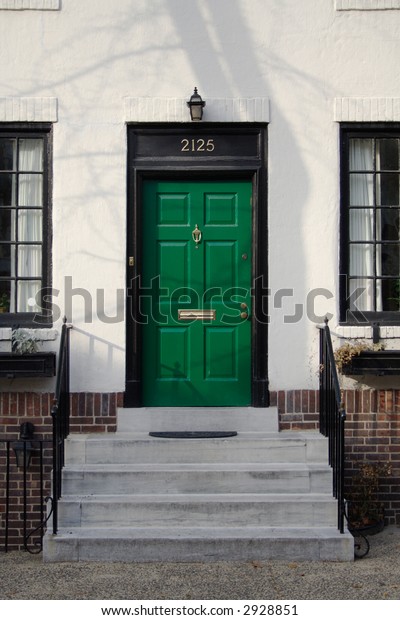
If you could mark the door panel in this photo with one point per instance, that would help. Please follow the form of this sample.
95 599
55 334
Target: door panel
221 340
200 357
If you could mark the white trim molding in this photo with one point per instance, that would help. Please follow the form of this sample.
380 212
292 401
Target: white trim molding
351 331
367 109
40 334
30 5
28 109
174 110
367 5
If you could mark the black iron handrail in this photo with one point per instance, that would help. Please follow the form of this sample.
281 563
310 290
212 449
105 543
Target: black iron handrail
60 413
332 417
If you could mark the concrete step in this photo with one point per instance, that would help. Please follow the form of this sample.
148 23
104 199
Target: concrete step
243 419
198 544
245 447
222 510
197 478
259 495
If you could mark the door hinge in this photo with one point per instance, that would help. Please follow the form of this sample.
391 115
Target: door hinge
131 261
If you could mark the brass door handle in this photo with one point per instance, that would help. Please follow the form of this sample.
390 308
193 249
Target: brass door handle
196 235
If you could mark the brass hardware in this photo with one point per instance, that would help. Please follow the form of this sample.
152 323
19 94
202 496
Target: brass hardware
131 261
243 315
243 306
196 315
196 235
244 256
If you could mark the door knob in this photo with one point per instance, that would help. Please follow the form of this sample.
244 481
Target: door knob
243 315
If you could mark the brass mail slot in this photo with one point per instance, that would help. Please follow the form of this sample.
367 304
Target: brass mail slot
196 315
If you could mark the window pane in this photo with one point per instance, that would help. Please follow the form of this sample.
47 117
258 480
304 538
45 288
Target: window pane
361 154
5 294
361 295
387 188
389 224
7 189
30 190
361 259
7 154
27 292
361 224
389 258
387 152
361 190
391 295
31 155
5 260
29 225
29 261
7 225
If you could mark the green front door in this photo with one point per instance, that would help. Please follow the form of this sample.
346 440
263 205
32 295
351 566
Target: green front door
195 300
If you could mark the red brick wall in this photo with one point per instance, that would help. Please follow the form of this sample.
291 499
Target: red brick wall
89 413
94 412
373 434
297 409
15 409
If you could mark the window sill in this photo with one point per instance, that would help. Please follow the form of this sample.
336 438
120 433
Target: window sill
13 365
386 332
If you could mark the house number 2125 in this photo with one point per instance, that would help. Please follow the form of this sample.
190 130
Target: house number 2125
198 145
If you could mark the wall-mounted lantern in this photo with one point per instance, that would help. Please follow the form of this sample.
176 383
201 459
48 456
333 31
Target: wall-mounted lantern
196 105
23 448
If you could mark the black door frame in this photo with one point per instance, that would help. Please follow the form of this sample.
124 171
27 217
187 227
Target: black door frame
236 151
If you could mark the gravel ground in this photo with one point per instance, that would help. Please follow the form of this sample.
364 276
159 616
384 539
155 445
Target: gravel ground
375 577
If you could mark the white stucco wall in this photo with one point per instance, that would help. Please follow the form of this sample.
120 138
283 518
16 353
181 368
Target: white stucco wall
91 56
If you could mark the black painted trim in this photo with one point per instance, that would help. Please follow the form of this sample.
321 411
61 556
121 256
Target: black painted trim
348 131
207 167
13 365
45 131
375 363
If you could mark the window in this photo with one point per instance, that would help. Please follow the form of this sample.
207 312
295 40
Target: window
370 232
24 224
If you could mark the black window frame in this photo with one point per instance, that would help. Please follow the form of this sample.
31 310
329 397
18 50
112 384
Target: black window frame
350 131
33 319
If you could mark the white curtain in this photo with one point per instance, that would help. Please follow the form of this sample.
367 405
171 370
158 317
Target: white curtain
30 194
362 226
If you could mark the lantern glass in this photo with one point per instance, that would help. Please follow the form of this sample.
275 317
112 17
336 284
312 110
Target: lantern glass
23 448
196 105
196 112
23 453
